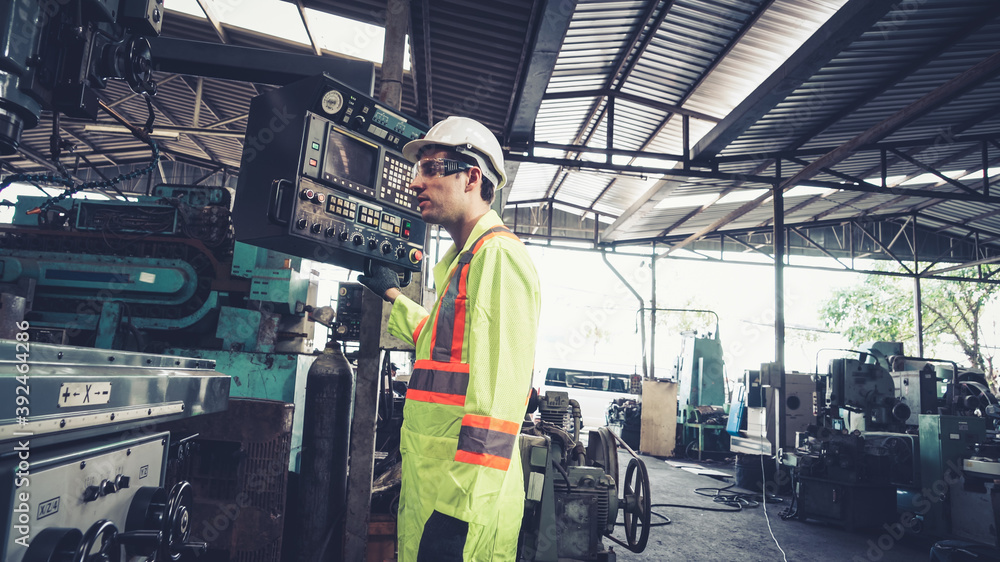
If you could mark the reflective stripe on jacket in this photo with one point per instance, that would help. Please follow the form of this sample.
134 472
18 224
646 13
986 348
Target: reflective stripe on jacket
466 397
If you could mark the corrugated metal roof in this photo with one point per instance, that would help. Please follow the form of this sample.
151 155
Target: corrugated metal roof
659 60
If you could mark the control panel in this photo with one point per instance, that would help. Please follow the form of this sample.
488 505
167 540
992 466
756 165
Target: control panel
349 311
343 196
66 495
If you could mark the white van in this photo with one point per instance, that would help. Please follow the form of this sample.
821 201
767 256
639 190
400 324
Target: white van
593 389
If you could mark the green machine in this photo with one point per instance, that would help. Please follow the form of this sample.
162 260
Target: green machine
945 442
162 274
266 347
700 370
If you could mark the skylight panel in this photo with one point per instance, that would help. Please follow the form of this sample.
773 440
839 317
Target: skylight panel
349 37
278 19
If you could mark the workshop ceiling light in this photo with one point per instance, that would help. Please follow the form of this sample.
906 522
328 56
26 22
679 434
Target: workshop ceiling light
120 130
741 196
686 201
807 190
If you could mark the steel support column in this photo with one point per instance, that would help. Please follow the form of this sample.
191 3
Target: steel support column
362 448
779 272
918 313
652 328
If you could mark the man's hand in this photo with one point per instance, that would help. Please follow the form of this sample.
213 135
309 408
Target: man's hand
383 281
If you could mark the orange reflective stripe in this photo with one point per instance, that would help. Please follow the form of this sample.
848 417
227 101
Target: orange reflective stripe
489 461
420 326
492 424
435 397
458 339
439 383
450 316
492 234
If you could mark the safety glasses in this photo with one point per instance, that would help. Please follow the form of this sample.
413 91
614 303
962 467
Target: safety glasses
438 167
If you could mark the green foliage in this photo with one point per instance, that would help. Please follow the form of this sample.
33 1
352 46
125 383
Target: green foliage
880 308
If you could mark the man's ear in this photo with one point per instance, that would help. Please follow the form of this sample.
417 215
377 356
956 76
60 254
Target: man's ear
475 179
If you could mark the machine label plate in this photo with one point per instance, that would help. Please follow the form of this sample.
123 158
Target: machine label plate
48 507
84 393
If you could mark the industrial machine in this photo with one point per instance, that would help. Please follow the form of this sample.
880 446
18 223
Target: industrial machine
84 469
572 492
323 178
700 372
162 274
900 440
56 55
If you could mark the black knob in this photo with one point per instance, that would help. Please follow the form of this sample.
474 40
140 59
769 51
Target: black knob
400 253
372 244
301 224
91 493
122 481
386 248
108 487
358 240
330 232
315 228
343 236
358 122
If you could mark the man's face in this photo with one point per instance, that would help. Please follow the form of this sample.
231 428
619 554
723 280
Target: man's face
442 200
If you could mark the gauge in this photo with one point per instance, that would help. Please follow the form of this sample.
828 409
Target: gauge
333 101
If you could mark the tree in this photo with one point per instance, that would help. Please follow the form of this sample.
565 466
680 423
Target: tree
880 308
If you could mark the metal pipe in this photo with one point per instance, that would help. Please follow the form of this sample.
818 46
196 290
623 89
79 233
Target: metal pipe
642 307
652 329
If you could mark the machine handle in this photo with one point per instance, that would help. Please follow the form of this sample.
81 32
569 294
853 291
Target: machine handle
407 275
277 194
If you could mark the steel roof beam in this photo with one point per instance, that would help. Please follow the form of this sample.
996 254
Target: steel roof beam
214 20
930 54
248 64
547 30
843 27
951 137
604 92
595 112
305 23
917 149
420 20
683 173
541 54
939 96
643 206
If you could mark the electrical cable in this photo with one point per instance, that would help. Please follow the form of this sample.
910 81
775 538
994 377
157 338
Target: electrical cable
777 439
71 185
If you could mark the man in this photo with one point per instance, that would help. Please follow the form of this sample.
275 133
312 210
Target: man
462 493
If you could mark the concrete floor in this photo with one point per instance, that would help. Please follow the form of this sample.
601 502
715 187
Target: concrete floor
712 536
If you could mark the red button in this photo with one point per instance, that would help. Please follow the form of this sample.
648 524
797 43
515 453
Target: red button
312 162
416 255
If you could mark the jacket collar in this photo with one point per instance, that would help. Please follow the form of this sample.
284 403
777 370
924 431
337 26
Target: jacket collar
447 261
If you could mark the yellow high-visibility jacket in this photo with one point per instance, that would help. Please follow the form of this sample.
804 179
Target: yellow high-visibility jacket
466 397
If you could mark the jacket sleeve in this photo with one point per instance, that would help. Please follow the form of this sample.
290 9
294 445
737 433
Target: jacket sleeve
503 308
406 319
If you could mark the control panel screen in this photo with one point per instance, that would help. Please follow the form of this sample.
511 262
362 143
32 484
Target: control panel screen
349 159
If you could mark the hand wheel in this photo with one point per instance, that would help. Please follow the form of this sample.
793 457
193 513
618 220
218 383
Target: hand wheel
110 550
636 505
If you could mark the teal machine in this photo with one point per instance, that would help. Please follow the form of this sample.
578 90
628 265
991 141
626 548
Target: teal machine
700 370
162 274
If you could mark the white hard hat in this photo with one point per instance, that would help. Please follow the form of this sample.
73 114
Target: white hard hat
466 136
